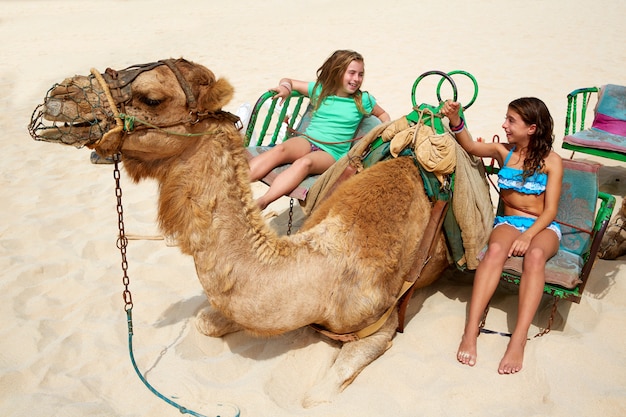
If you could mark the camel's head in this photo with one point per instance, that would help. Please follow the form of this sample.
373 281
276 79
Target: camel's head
100 110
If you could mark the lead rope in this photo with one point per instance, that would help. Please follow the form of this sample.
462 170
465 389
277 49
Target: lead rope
122 243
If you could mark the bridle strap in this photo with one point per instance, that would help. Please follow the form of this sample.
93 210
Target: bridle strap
120 81
191 99
107 93
125 123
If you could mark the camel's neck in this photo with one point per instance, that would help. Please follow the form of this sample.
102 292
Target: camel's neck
206 199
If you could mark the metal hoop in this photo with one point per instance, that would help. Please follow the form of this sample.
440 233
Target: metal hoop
468 75
434 72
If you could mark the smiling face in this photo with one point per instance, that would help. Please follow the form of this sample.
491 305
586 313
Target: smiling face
352 79
517 131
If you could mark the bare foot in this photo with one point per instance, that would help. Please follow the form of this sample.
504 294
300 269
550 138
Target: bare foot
467 350
513 357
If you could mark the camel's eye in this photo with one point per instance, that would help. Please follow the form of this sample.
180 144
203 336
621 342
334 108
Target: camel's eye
150 101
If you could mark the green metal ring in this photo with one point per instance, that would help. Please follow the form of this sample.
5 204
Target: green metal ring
468 75
434 72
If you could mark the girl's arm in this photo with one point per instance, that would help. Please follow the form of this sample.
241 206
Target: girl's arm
381 113
286 85
494 150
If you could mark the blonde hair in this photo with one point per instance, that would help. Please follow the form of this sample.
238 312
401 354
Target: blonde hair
330 77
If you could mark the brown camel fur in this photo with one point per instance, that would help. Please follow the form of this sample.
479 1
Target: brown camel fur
614 240
342 270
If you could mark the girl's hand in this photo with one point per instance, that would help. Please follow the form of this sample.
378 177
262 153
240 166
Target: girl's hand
520 245
450 109
282 92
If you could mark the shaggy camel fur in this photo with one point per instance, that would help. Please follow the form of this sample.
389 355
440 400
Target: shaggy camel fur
341 271
614 240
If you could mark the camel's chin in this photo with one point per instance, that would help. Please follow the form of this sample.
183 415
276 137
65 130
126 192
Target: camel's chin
78 134
72 135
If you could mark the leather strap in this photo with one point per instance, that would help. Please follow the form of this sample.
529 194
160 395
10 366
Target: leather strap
424 253
191 99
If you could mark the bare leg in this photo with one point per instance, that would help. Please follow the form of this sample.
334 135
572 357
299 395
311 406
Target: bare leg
312 163
485 282
543 246
283 153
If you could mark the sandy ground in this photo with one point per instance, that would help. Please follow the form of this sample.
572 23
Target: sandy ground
63 342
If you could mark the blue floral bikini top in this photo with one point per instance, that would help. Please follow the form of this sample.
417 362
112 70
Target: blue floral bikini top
511 179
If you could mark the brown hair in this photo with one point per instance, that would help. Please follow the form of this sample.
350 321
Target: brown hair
534 111
330 77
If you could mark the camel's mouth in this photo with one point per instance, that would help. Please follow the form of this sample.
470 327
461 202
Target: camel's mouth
72 114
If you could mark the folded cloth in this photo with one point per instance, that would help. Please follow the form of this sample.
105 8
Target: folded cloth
436 152
394 128
472 205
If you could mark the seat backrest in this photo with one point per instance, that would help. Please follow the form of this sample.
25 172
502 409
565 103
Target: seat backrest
577 205
266 125
296 111
578 109
610 112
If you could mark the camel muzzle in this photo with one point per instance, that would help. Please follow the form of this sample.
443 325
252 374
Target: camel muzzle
74 112
82 111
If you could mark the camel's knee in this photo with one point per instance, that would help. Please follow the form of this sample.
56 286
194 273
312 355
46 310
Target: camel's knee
352 359
212 323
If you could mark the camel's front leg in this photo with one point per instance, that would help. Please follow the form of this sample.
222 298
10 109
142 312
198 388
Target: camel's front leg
212 323
352 359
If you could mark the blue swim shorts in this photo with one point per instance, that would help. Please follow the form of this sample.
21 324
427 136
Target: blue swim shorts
522 223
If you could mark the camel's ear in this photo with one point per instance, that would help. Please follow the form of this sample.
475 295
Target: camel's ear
218 95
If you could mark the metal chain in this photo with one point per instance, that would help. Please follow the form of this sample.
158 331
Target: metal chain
481 325
122 240
550 319
290 217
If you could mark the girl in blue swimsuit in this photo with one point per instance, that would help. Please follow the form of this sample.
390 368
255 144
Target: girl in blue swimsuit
530 185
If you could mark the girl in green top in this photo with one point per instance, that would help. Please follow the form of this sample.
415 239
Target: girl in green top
339 105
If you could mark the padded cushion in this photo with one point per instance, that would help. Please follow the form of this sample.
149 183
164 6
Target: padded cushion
608 131
562 269
577 205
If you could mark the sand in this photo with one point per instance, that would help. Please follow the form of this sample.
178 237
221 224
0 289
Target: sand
63 340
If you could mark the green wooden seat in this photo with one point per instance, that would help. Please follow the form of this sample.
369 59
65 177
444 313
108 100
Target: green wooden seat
584 213
607 135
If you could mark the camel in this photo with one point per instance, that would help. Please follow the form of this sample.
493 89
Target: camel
341 271
614 240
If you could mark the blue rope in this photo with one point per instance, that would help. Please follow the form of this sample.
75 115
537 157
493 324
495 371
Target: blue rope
183 410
